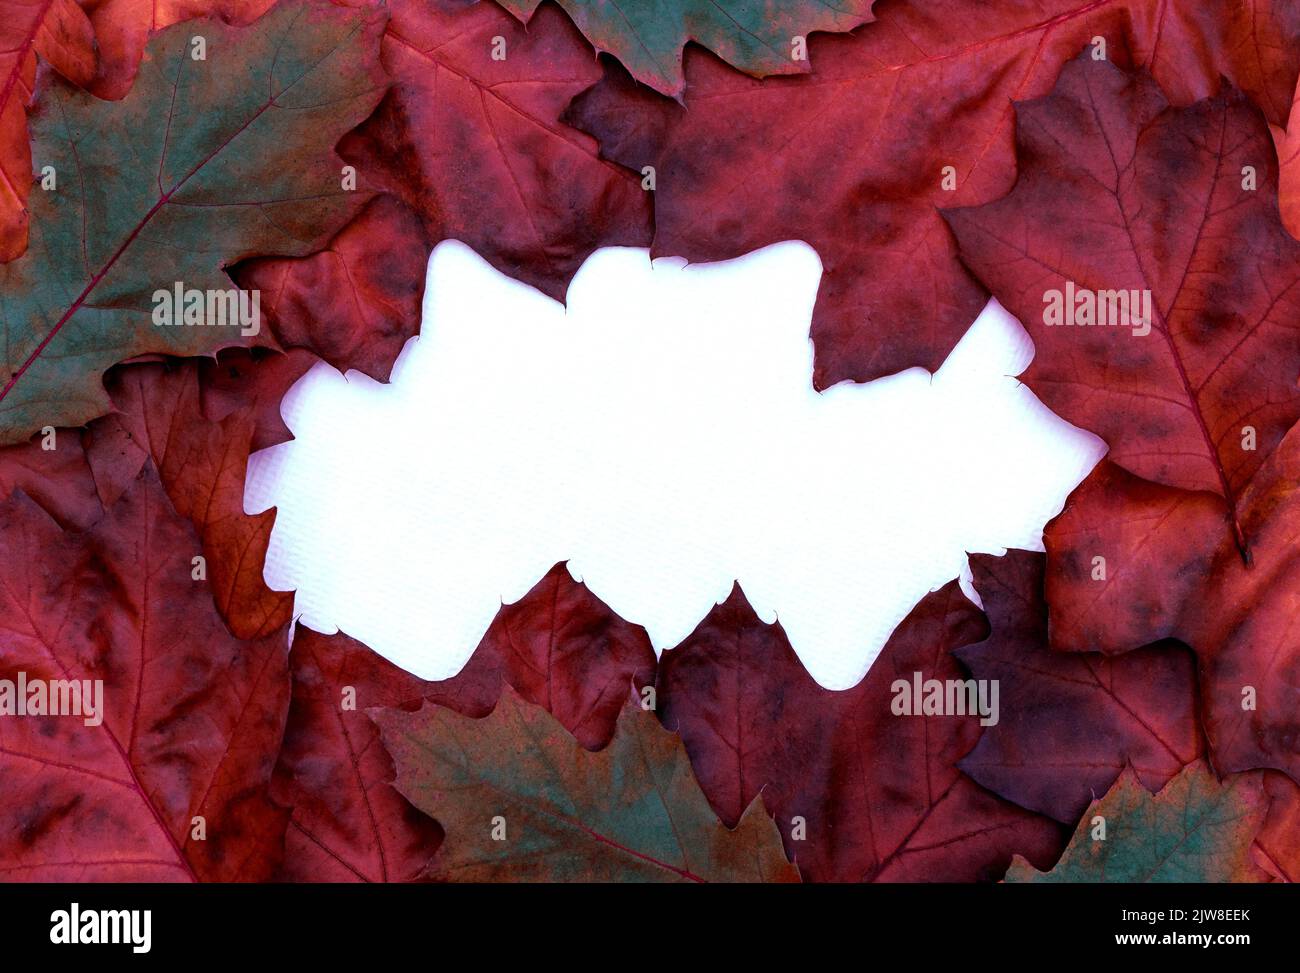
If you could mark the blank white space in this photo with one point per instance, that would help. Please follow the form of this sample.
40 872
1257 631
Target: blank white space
662 436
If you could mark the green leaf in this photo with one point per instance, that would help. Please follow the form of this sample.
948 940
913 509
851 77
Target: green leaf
1195 830
756 36
520 800
206 162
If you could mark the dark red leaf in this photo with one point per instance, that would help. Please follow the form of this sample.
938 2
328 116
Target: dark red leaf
475 145
58 478
192 717
1119 192
348 823
241 380
851 159
1132 562
355 303
202 465
559 647
1070 723
880 794
1277 846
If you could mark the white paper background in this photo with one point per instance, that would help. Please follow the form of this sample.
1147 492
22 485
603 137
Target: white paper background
662 435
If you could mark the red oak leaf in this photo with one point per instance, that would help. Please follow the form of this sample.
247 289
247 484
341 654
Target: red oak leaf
154 190
1277 845
248 380
356 302
1120 194
172 784
912 113
55 471
759 38
52 470
1070 723
521 802
559 647
123 27
475 146
348 823
198 420
1132 562
1197 829
879 794
59 32
202 463
1288 162
562 648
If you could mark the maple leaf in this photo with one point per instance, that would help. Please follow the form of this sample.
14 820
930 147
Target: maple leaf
355 303
559 647
1118 192
474 145
1133 562
630 812
61 34
852 159
191 717
756 36
1195 830
205 162
880 794
1070 723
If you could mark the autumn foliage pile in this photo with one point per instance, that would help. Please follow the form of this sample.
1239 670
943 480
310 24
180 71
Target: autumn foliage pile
934 153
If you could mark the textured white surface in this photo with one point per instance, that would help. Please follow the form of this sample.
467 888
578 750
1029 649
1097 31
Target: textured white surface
662 435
